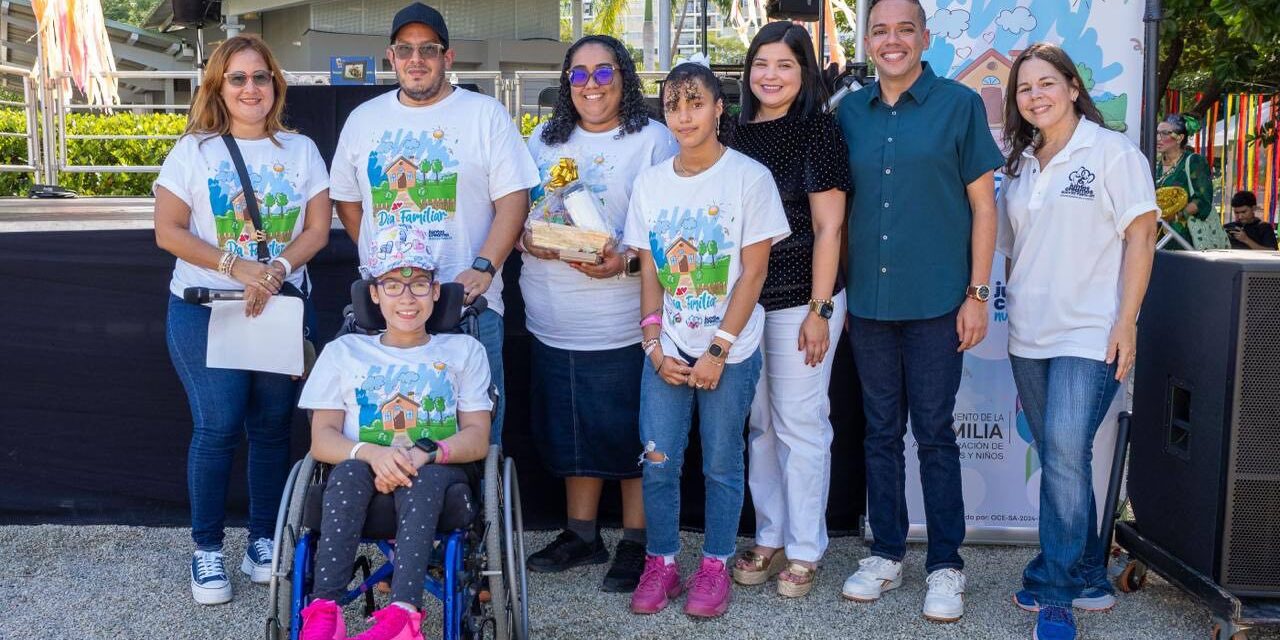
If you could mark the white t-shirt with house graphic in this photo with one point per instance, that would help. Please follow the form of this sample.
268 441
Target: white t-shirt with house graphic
395 396
438 168
694 229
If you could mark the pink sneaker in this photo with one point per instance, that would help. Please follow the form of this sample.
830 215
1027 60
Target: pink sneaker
709 590
659 583
394 623
322 620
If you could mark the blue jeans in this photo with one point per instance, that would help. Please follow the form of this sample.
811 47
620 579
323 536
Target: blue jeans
490 335
666 416
225 405
911 368
1065 400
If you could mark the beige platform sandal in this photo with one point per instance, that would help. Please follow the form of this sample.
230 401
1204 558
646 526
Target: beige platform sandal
759 567
801 584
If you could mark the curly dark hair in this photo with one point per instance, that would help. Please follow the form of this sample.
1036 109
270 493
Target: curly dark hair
682 78
633 115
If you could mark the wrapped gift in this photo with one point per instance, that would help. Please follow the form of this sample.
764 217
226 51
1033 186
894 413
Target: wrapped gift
567 217
1171 200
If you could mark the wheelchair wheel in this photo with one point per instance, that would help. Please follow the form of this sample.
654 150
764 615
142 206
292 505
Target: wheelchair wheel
288 529
504 552
513 547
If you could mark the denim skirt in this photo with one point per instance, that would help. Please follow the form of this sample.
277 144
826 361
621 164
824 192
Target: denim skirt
586 411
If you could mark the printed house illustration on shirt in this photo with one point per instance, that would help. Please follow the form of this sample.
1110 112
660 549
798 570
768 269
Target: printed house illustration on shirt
399 414
402 174
682 256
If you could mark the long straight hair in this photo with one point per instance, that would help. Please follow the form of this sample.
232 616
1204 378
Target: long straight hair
209 115
813 93
1020 134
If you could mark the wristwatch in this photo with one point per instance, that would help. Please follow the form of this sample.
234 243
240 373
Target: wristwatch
429 446
824 308
979 292
631 265
715 351
482 263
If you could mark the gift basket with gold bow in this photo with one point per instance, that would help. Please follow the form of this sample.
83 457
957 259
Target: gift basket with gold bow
567 217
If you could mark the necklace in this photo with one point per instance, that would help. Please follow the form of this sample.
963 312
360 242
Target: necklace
1167 170
687 173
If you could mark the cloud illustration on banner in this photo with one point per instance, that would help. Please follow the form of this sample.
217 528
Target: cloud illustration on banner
948 23
1017 20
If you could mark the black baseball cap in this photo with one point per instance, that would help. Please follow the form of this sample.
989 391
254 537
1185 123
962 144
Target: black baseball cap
418 12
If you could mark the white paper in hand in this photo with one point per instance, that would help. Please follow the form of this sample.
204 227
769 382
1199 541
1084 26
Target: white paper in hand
271 342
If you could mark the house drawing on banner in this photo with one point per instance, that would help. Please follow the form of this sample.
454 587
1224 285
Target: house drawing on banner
399 413
402 174
682 256
988 75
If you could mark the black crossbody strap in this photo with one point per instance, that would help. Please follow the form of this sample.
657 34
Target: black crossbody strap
250 198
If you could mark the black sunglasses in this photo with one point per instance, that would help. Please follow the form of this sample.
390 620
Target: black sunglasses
578 76
237 79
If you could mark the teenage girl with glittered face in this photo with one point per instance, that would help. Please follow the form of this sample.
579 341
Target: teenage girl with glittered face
703 223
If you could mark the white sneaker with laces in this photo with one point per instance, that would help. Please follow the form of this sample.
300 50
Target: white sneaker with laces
945 600
257 560
209 583
874 576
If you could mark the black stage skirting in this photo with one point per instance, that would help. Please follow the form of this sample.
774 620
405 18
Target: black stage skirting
94 423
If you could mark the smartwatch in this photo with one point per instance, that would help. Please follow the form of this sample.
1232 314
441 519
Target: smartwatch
979 292
824 308
482 263
429 446
631 265
715 351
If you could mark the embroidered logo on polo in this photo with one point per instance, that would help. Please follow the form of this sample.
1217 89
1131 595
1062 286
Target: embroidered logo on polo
1080 179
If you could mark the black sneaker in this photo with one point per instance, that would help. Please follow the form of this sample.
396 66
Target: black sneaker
628 564
566 552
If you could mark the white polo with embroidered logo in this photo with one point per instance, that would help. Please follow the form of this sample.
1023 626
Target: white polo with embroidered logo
1062 226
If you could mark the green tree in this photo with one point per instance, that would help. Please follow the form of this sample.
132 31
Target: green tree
1215 46
425 167
437 166
440 408
282 201
128 11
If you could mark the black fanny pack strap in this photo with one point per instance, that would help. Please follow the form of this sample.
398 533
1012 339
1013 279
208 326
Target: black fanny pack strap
250 198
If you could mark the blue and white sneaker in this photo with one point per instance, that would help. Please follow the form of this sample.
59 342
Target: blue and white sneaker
1091 599
1055 623
209 583
257 560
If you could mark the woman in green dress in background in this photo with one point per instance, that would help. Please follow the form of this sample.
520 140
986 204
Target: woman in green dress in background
1178 166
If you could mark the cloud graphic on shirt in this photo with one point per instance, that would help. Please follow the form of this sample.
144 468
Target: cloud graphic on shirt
1017 20
948 23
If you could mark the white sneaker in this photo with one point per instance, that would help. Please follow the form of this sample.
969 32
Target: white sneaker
257 560
209 583
945 600
874 576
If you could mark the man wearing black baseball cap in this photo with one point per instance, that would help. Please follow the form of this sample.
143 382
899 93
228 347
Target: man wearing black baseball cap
434 162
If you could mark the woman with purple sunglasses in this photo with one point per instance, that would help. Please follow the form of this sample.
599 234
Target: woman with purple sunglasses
586 356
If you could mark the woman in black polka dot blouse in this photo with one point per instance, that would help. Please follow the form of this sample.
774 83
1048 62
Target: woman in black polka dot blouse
783 127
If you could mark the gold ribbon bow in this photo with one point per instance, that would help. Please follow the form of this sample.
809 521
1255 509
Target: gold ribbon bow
563 173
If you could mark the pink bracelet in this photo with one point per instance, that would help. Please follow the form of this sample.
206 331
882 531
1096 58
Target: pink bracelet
442 453
653 318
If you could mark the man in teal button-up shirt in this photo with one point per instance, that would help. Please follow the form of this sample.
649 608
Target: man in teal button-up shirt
922 229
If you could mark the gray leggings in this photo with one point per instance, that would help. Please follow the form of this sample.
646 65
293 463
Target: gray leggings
346 499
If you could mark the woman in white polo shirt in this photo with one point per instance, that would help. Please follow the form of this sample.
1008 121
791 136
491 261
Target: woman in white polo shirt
1078 221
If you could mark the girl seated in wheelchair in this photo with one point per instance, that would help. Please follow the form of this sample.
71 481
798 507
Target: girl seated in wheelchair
393 413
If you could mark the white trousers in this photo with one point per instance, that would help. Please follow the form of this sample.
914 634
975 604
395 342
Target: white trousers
790 437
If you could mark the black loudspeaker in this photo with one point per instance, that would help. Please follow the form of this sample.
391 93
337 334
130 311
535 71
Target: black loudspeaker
803 10
1204 470
189 12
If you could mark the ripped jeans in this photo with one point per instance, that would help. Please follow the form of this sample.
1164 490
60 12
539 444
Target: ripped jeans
666 417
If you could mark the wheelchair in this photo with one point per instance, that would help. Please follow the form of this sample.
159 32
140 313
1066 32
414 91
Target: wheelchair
477 569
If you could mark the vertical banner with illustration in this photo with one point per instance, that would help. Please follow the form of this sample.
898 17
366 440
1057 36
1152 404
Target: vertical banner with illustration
975 43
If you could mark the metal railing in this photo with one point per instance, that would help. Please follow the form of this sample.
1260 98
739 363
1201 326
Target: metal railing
49 133
30 106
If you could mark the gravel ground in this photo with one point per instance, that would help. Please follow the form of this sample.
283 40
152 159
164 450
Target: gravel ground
121 583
